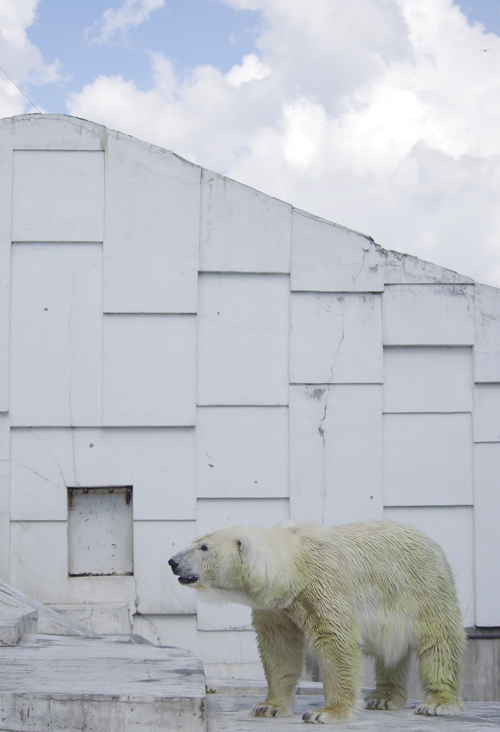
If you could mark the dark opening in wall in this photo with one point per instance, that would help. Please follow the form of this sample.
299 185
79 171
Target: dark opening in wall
100 540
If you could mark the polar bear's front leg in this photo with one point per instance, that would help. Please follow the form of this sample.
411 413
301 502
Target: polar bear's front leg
281 649
339 657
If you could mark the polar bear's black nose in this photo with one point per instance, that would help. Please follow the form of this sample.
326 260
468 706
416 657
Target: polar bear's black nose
174 565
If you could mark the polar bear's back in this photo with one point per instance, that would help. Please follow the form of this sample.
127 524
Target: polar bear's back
396 578
371 553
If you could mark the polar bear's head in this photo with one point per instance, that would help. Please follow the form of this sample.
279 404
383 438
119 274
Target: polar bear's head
247 564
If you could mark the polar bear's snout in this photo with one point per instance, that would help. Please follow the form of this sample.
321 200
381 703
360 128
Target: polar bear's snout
185 575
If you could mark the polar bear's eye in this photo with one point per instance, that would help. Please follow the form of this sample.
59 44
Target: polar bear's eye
204 548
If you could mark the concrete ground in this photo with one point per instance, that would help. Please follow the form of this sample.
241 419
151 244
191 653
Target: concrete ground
230 713
230 702
120 684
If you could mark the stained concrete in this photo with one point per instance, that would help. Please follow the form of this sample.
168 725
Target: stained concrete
108 684
119 684
230 713
15 625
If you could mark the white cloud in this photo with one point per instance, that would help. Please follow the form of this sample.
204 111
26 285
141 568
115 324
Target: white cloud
130 14
252 69
382 115
22 61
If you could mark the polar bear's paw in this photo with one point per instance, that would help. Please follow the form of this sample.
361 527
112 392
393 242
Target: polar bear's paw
267 709
434 706
376 700
323 716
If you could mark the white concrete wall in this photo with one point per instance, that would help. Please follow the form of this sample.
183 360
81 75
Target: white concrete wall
234 360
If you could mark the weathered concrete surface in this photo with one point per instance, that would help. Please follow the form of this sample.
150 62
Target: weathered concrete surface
13 602
230 713
113 684
104 619
15 625
16 619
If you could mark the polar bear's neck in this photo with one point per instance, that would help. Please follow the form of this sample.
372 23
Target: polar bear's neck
273 576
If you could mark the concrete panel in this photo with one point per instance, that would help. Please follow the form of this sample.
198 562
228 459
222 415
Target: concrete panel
335 453
58 195
42 467
39 559
487 350
243 339
160 464
452 528
487 536
242 230
52 132
242 452
335 338
5 239
100 531
330 258
480 681
428 459
168 630
158 590
56 334
428 379
149 364
216 513
230 653
109 619
151 230
4 497
428 315
101 590
228 648
405 269
31 131
487 413
231 616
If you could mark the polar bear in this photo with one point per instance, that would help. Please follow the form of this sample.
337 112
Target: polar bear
375 586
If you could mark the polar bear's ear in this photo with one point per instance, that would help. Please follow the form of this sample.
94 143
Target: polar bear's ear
244 546
253 558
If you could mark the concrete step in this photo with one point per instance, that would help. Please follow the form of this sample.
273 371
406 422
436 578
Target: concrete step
10 599
104 619
67 684
14 624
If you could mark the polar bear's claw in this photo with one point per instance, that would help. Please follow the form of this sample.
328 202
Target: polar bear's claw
320 716
434 708
268 710
312 718
374 702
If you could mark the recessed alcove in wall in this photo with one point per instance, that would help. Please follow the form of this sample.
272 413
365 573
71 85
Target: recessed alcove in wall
100 538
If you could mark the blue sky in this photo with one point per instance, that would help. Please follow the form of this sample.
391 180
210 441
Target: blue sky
486 12
381 115
189 32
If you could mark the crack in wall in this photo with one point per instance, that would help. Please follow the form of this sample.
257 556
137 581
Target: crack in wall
321 425
365 252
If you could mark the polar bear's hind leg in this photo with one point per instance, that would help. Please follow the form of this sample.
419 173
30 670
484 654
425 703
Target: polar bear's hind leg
440 662
390 685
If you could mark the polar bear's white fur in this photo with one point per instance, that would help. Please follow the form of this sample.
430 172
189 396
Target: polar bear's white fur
376 586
